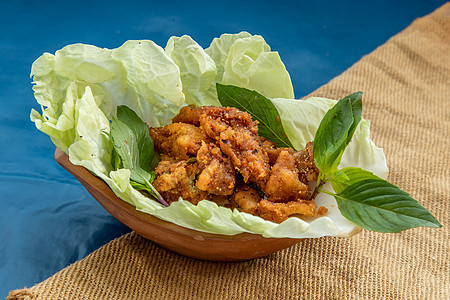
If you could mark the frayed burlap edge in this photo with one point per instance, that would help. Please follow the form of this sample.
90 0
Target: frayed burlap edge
21 294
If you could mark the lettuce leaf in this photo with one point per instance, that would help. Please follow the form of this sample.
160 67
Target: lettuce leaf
221 46
138 74
80 87
197 70
207 216
245 60
92 142
241 59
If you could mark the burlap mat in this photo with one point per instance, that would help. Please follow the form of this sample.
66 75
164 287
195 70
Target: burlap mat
406 85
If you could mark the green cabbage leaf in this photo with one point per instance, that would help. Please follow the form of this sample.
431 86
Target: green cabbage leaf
246 60
80 87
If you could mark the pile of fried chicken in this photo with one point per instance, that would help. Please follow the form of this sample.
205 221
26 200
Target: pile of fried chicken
215 153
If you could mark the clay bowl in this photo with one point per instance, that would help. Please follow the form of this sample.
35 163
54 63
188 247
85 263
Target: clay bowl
191 243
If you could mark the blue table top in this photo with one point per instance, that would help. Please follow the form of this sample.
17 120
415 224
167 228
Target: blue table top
48 219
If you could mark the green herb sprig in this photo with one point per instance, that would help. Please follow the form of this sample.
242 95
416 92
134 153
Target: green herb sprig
362 197
259 107
133 150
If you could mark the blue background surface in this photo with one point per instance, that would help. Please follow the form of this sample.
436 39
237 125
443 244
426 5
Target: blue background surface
48 220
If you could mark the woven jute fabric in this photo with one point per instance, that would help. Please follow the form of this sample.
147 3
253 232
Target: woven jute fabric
406 85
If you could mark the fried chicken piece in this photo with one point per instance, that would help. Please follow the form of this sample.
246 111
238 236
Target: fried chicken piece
204 147
272 150
247 199
178 140
238 138
247 155
279 212
188 114
217 176
304 160
215 120
283 184
176 179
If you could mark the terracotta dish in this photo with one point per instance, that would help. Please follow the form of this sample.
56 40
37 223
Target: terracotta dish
191 243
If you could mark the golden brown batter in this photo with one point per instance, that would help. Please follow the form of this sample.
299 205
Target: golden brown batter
215 153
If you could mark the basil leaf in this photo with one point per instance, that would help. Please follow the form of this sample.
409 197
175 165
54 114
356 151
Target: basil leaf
356 101
144 141
124 142
125 145
141 176
335 132
116 162
259 107
127 148
378 205
331 136
348 176
149 176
